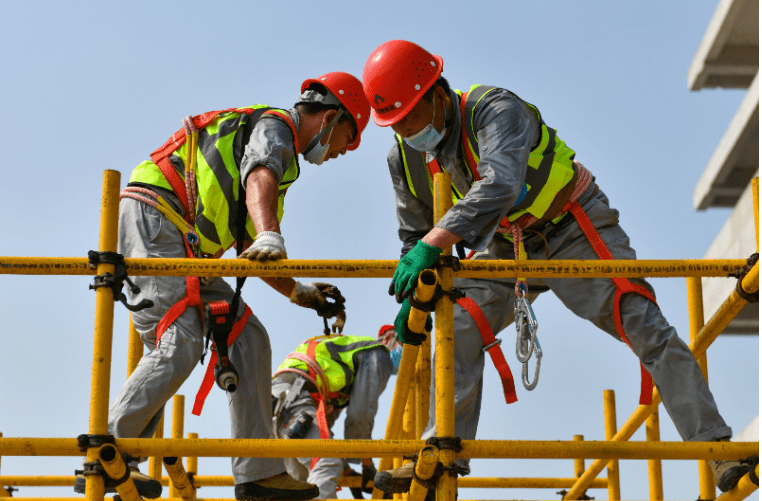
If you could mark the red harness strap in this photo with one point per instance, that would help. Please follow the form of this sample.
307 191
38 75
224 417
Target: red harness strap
623 286
488 337
320 415
208 381
192 298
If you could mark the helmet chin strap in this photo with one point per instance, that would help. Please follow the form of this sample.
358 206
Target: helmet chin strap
325 130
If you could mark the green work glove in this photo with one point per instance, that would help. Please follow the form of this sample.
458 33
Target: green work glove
403 332
410 266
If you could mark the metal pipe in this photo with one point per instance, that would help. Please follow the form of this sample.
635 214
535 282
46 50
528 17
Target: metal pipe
180 483
424 292
707 488
134 348
154 462
609 424
444 346
116 469
705 337
103 331
424 469
490 449
755 197
192 462
524 482
371 268
423 390
579 463
655 484
178 412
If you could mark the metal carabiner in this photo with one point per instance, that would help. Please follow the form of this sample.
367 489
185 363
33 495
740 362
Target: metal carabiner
526 328
525 369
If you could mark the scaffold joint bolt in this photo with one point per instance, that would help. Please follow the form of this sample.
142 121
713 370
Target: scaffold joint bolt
86 441
447 443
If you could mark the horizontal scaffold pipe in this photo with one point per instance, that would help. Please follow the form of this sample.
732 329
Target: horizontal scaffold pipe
508 449
359 268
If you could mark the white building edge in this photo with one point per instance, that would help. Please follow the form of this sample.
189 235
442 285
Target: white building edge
728 57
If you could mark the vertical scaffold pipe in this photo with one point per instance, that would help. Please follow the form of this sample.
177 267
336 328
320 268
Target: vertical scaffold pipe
134 348
579 463
116 469
655 483
192 465
154 463
103 331
178 414
179 480
423 392
424 292
609 424
424 469
707 488
755 196
444 349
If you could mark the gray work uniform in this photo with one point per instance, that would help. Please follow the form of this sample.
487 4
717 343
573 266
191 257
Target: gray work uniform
145 232
506 131
373 367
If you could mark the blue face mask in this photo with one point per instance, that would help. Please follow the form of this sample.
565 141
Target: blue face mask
396 355
427 138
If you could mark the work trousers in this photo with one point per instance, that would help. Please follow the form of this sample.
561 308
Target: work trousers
667 358
144 232
327 471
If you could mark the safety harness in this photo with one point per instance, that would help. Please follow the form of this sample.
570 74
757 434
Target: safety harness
582 180
317 377
220 315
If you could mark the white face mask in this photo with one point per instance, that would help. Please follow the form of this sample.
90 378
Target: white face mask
427 138
315 152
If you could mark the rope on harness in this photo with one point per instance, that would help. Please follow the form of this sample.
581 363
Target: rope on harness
160 204
191 191
491 346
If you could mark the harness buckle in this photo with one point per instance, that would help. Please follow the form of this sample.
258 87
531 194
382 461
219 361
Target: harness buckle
496 342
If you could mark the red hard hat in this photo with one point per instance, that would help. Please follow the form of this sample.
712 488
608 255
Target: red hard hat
349 91
384 329
396 75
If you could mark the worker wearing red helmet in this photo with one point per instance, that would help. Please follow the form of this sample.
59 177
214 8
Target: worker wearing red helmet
518 193
221 182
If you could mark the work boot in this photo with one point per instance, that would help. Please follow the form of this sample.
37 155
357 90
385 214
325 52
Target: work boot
147 487
395 481
281 486
727 473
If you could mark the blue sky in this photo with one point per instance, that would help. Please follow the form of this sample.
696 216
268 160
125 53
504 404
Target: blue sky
88 86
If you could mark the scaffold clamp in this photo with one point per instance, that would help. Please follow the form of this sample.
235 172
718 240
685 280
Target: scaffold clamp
752 461
92 441
116 281
741 273
446 443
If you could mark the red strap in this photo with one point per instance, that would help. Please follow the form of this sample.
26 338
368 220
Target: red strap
623 286
320 416
488 337
208 381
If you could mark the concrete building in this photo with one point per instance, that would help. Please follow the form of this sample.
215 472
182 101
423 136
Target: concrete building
728 58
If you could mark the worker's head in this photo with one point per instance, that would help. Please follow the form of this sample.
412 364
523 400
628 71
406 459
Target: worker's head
387 335
337 99
403 83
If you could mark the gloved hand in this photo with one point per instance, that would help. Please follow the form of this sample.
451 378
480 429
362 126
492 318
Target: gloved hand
410 266
368 473
403 332
268 245
315 295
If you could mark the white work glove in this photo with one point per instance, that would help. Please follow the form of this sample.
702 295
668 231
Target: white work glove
268 245
315 295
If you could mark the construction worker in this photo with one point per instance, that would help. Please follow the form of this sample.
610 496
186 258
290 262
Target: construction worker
311 387
519 193
189 201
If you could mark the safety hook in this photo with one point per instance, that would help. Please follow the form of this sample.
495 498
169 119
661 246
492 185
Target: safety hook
526 328
525 368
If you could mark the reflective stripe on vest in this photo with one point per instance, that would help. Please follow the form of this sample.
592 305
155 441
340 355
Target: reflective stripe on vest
219 154
549 166
335 354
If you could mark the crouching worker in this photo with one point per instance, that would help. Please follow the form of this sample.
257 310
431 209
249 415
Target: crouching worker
311 387
218 182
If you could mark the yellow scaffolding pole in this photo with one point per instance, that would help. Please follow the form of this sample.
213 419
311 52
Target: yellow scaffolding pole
609 424
368 268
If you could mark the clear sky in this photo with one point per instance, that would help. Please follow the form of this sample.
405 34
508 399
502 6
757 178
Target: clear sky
88 86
